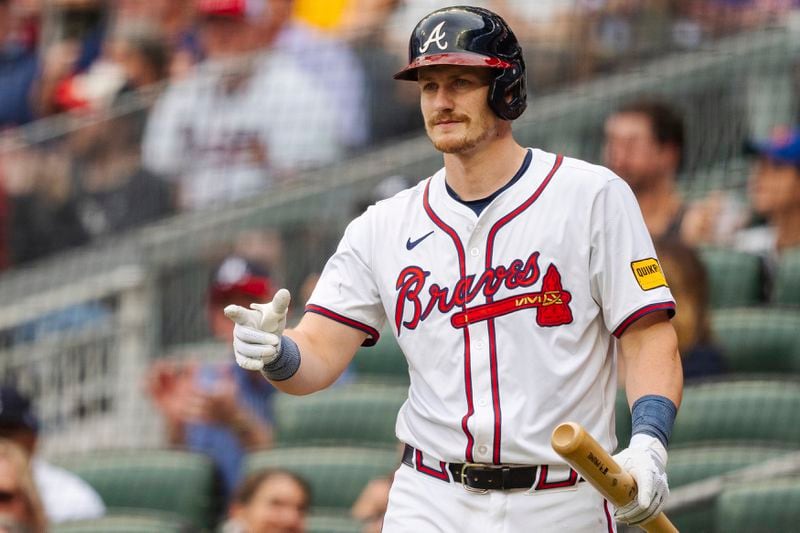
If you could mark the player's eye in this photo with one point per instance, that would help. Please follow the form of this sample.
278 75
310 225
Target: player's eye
429 86
461 83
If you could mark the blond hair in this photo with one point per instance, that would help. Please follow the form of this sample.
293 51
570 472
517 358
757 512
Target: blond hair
20 463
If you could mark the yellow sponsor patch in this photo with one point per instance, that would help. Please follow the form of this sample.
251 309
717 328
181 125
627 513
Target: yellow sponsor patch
648 274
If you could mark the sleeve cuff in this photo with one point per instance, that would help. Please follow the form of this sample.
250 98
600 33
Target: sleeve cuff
372 333
668 306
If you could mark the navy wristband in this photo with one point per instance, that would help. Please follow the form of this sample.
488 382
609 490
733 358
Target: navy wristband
287 362
653 415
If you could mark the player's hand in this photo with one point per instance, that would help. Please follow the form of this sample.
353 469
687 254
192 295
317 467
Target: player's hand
257 333
645 459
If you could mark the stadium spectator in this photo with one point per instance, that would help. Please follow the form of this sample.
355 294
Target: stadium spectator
20 505
220 410
143 56
172 21
644 146
108 187
133 59
44 216
113 192
719 18
64 495
688 281
270 501
774 192
74 51
240 122
329 61
371 504
18 67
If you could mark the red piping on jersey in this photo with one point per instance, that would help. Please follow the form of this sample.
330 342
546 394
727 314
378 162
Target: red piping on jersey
467 365
498 416
372 333
609 522
438 474
646 310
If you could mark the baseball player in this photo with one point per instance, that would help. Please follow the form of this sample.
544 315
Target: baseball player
512 278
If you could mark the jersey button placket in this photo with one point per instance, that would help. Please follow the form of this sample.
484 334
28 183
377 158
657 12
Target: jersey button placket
481 421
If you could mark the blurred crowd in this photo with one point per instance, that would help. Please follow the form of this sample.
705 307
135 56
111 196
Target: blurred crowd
154 107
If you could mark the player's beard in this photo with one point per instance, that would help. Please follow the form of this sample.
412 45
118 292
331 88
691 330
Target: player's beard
474 134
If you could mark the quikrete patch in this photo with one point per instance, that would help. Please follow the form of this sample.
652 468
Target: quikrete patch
648 274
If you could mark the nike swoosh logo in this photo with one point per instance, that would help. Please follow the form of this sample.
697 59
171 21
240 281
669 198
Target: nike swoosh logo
411 244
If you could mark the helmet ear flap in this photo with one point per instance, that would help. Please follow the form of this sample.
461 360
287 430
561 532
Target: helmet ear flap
511 82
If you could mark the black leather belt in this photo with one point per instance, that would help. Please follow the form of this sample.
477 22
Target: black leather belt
484 477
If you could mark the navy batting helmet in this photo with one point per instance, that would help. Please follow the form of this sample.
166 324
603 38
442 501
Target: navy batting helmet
472 36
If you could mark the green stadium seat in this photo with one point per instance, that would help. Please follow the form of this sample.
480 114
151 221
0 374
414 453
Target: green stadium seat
758 339
767 507
382 363
348 415
332 523
172 481
734 277
787 279
623 419
742 411
337 475
694 463
695 519
133 522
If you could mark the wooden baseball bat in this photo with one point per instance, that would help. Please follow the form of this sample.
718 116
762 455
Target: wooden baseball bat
572 442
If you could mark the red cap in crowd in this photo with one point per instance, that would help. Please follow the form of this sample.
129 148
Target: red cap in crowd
237 276
229 8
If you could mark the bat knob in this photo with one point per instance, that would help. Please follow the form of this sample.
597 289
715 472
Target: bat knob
567 437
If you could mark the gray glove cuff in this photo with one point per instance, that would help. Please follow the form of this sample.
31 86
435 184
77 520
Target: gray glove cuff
286 363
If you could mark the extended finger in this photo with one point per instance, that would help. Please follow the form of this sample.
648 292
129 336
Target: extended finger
280 302
243 316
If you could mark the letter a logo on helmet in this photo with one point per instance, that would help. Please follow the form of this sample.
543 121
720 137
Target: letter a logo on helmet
437 35
475 37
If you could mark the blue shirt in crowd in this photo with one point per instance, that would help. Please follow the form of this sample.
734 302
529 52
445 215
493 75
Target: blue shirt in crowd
18 68
219 442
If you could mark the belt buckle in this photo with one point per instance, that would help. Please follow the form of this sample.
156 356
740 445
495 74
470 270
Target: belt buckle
464 484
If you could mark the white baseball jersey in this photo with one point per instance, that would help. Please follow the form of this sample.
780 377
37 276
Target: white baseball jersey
507 319
222 145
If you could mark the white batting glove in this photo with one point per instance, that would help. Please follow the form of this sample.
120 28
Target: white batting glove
257 333
645 459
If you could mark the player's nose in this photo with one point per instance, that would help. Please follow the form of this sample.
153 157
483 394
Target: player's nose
442 100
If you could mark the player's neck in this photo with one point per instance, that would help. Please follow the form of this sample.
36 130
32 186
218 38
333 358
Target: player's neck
479 173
